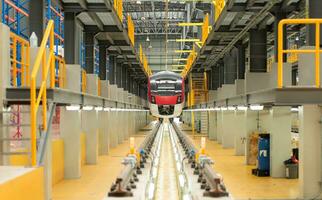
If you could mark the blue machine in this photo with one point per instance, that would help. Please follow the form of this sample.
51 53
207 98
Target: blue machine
263 156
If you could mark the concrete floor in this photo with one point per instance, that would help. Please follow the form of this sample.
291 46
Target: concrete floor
97 179
239 180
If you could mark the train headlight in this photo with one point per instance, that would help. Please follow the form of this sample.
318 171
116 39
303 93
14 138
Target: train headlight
179 99
152 99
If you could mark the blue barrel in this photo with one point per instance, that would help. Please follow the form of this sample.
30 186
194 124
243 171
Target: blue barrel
263 154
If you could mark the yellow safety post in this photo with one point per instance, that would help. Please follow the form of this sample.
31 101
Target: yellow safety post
202 146
47 65
317 22
83 81
132 146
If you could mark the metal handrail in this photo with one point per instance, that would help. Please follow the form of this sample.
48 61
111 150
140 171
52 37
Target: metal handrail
24 61
205 29
118 5
48 65
282 51
61 71
130 26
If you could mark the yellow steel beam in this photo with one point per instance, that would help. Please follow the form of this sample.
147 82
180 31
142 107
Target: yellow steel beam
180 59
190 24
182 51
188 40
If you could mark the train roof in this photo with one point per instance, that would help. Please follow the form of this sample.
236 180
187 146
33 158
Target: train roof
165 74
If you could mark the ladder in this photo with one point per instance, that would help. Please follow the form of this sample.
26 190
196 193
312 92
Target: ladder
15 135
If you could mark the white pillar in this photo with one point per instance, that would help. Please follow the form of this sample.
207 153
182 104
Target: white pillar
228 135
219 126
310 151
240 132
70 131
280 139
212 125
90 127
103 133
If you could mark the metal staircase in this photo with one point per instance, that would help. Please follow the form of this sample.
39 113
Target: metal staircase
199 87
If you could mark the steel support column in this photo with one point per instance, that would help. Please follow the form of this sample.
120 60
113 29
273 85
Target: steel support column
221 73
124 76
89 51
102 60
216 77
69 34
129 83
241 59
118 74
36 18
230 63
314 12
258 50
279 15
111 69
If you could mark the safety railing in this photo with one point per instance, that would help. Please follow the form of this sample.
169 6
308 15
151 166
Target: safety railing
118 6
47 64
144 62
61 72
83 81
219 7
141 53
20 60
191 58
282 51
292 57
130 26
205 29
146 67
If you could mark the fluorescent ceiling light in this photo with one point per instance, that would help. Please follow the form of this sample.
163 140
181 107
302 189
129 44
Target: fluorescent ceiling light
107 109
73 107
223 108
256 107
216 108
294 109
87 107
242 108
98 108
231 108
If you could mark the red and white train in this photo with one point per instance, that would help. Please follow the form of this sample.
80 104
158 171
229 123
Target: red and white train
166 94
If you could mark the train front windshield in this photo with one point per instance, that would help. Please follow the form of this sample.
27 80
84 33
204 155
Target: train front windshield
166 87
